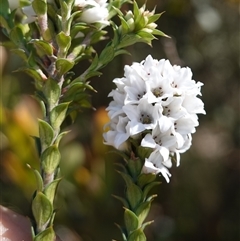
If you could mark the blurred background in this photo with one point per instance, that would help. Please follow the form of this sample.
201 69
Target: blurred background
202 200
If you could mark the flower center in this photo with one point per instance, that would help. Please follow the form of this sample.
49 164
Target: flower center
166 111
145 118
140 95
158 92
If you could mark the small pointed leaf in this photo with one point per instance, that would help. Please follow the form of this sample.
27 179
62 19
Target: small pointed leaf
135 167
143 210
133 192
58 115
38 178
131 221
43 47
41 208
122 200
46 235
137 235
50 189
46 134
50 159
144 179
63 65
148 187
52 92
39 6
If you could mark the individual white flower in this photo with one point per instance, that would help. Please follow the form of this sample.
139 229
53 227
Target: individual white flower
143 116
93 11
30 14
117 134
153 164
159 105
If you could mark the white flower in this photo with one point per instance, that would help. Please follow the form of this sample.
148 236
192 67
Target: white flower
157 104
143 116
30 14
117 134
94 11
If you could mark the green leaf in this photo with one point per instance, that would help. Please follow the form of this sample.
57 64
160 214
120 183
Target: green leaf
51 92
143 210
3 22
135 167
127 40
31 72
38 178
133 192
154 18
136 10
16 36
131 221
122 200
47 235
145 35
143 152
148 187
123 231
137 235
42 209
75 89
4 9
51 188
39 6
121 51
63 66
160 33
92 74
134 195
124 25
144 179
21 53
60 136
43 47
140 22
50 159
46 134
106 55
63 41
58 115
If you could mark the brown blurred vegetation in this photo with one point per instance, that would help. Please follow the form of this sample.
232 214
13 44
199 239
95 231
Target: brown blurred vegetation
202 200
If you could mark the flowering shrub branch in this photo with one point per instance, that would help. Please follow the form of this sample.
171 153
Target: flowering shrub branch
152 117
52 37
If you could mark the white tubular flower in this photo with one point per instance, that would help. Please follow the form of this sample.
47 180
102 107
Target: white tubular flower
156 104
30 14
93 11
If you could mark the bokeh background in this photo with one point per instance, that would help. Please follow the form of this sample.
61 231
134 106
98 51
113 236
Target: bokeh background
202 200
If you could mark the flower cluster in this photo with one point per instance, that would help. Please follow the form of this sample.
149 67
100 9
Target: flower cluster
157 104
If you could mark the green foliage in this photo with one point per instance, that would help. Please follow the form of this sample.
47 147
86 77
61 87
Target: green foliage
58 114
42 47
51 92
46 134
42 209
40 7
136 203
47 235
50 189
51 45
50 159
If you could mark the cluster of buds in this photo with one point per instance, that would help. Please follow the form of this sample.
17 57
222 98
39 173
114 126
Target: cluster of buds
141 22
